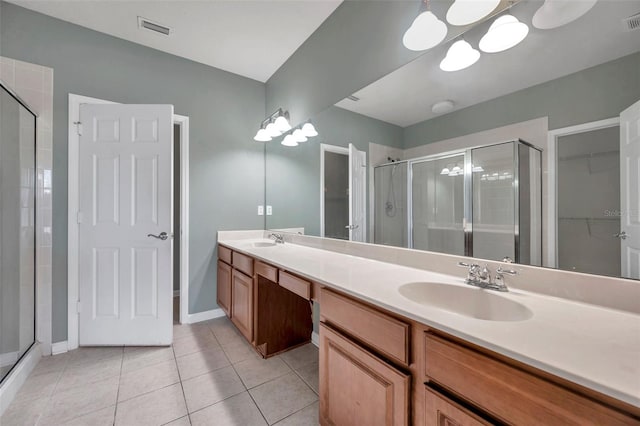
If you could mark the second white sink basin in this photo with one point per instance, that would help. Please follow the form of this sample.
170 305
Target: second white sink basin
468 301
263 243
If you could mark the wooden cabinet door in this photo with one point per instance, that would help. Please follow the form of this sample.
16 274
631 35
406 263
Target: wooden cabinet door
224 287
242 303
440 411
357 388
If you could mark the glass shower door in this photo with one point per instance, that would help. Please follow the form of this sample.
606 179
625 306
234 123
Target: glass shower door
437 195
390 213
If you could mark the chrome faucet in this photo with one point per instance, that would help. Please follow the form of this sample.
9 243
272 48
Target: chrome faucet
478 276
278 238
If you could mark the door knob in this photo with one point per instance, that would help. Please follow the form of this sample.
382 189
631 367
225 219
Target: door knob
622 235
163 236
351 227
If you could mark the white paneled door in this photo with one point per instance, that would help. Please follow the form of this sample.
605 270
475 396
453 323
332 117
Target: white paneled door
357 194
125 217
630 196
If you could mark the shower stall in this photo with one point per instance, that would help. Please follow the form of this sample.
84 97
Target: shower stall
483 202
17 229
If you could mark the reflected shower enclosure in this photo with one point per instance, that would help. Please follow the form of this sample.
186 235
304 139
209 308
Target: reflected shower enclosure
484 202
17 229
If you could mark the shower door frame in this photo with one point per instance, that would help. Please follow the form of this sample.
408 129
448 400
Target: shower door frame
14 95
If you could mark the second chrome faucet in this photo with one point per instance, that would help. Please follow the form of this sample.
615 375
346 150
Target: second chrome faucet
478 276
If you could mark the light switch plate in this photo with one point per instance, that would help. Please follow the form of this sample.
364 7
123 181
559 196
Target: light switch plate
269 210
260 210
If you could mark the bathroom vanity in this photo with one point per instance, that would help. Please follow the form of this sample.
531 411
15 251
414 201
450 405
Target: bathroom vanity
389 356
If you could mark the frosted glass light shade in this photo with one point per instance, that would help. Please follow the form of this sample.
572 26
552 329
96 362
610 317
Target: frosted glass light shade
556 13
425 32
308 130
299 136
289 141
504 33
282 124
262 136
465 12
272 130
460 56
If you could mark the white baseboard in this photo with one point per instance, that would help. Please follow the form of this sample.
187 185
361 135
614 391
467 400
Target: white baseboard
315 339
9 358
59 348
204 316
12 383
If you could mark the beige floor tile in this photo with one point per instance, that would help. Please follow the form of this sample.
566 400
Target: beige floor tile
282 397
136 357
148 379
301 356
155 408
225 331
77 401
195 343
198 363
94 354
25 413
239 410
53 363
309 416
182 330
212 387
182 421
256 371
310 375
239 351
89 372
38 386
102 417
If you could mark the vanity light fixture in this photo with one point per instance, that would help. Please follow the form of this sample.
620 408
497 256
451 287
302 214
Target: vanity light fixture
556 13
308 130
459 56
505 33
477 169
289 141
298 136
282 124
262 136
465 12
425 32
273 126
445 171
272 130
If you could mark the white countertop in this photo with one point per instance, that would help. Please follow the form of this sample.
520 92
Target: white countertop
593 346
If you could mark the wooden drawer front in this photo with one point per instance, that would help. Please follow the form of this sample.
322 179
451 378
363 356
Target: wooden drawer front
510 394
382 332
267 271
357 388
295 285
243 263
441 411
224 254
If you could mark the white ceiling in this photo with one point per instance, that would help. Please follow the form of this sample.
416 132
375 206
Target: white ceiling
405 96
252 38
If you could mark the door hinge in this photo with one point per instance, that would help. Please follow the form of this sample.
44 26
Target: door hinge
78 307
78 127
79 217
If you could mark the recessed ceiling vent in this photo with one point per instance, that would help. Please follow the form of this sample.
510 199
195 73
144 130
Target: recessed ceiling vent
632 23
146 24
353 98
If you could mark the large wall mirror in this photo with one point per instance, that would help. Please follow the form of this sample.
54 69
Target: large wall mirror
529 154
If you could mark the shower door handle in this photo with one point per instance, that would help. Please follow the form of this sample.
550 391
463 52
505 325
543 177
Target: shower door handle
622 235
351 227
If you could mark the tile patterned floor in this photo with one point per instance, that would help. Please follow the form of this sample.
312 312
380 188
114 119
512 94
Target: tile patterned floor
209 376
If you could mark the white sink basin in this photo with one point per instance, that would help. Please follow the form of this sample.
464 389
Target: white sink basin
263 243
467 301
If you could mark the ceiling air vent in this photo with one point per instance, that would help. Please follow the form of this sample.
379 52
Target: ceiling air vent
632 23
353 98
144 23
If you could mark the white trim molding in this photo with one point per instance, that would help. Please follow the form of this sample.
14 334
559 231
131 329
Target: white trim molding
205 316
73 205
551 259
16 378
59 347
315 339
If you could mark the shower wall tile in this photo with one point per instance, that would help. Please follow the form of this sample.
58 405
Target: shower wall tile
34 84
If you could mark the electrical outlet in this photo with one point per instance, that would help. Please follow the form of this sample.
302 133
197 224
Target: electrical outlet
260 210
269 210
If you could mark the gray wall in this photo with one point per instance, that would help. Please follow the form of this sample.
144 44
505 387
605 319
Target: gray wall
226 166
589 95
293 173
